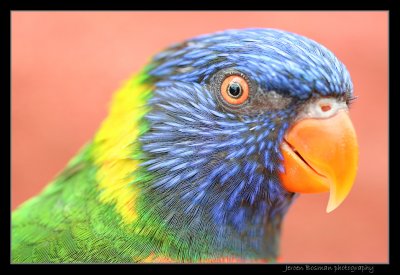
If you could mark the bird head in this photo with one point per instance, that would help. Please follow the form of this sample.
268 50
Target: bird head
240 122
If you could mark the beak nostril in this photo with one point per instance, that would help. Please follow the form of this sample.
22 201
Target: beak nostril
325 107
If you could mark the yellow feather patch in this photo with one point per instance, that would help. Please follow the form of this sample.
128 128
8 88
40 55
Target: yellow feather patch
115 143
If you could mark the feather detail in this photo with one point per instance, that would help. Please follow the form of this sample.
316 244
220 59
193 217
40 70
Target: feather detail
161 259
115 144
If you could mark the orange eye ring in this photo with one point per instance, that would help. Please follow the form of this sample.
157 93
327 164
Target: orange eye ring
235 89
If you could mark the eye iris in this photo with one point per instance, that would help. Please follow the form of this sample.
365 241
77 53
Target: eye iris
235 90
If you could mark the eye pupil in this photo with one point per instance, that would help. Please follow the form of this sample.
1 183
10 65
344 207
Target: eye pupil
235 90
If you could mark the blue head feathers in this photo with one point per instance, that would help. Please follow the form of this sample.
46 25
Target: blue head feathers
216 165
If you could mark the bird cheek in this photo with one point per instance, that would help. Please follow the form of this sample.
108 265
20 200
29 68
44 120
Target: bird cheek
321 155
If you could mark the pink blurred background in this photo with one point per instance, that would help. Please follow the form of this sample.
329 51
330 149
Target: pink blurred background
66 65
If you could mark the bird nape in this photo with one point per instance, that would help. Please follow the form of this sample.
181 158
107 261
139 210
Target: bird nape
200 157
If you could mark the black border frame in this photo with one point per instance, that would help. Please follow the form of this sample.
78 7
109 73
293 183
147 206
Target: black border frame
39 5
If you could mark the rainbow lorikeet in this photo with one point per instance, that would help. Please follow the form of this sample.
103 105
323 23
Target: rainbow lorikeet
200 157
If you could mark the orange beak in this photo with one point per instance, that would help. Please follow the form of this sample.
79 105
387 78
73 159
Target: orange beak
320 155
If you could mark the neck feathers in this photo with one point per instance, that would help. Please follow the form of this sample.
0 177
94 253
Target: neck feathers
188 202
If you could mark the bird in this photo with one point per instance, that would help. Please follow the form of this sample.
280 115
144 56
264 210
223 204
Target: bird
200 157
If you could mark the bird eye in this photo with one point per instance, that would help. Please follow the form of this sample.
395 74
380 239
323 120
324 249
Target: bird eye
235 89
